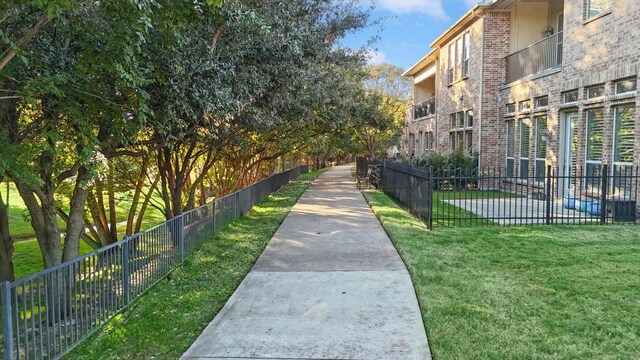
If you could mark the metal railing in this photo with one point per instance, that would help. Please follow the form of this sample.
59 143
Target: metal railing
425 108
412 186
48 313
540 56
454 197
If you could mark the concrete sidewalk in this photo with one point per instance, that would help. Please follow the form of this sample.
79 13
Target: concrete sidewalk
329 285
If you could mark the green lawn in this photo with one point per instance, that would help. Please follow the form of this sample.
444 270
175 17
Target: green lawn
543 292
164 322
27 258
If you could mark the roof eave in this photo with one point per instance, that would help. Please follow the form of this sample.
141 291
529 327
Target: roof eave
421 64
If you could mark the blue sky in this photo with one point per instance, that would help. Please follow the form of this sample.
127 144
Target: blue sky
408 27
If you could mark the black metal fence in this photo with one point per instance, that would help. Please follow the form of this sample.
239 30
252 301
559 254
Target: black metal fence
598 194
46 314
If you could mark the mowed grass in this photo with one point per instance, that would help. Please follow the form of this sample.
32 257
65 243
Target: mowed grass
164 322
543 292
27 258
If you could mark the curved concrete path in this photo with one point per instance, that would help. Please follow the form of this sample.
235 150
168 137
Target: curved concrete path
329 285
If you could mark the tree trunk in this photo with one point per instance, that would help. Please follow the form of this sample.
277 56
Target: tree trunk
136 198
43 222
113 221
75 226
6 244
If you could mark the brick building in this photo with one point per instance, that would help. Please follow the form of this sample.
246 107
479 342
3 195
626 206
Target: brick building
526 84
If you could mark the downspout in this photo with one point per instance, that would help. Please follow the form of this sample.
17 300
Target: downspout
481 88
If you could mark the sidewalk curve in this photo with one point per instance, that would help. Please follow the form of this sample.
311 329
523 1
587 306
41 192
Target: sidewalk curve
329 285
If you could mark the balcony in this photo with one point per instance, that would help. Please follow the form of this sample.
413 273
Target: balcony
424 109
541 56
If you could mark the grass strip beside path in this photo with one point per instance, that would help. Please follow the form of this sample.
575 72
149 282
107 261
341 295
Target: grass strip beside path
163 323
537 292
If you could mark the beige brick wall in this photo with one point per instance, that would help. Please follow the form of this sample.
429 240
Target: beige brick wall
599 51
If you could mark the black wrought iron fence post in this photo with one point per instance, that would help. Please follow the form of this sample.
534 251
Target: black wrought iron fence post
548 195
430 199
603 194
126 269
7 335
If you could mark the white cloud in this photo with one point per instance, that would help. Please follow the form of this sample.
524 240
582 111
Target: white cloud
432 8
376 57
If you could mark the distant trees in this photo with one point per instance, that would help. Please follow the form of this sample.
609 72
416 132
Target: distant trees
386 99
169 101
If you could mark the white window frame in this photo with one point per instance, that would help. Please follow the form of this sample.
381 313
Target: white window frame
512 123
536 100
586 147
564 96
521 107
615 136
588 10
616 83
507 108
604 89
527 122
465 58
452 56
538 136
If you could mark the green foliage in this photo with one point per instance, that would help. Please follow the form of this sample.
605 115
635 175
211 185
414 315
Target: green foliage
543 292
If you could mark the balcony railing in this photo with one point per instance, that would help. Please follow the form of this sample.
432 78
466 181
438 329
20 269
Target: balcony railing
543 55
425 108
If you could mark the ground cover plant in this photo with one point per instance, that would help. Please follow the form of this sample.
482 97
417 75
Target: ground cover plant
538 292
164 322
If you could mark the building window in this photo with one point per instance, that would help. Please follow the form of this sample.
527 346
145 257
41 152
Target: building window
510 153
511 108
597 7
469 116
595 92
524 148
459 47
541 147
626 86
452 56
412 144
624 134
542 102
465 63
460 132
624 123
594 146
570 97
430 141
420 143
524 105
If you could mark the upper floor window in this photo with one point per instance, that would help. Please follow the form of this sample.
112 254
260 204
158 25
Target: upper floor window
452 55
458 63
626 86
595 92
469 116
465 57
570 96
597 7
511 108
542 102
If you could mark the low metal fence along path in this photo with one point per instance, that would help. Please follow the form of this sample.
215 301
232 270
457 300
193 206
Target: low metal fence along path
48 313
600 194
